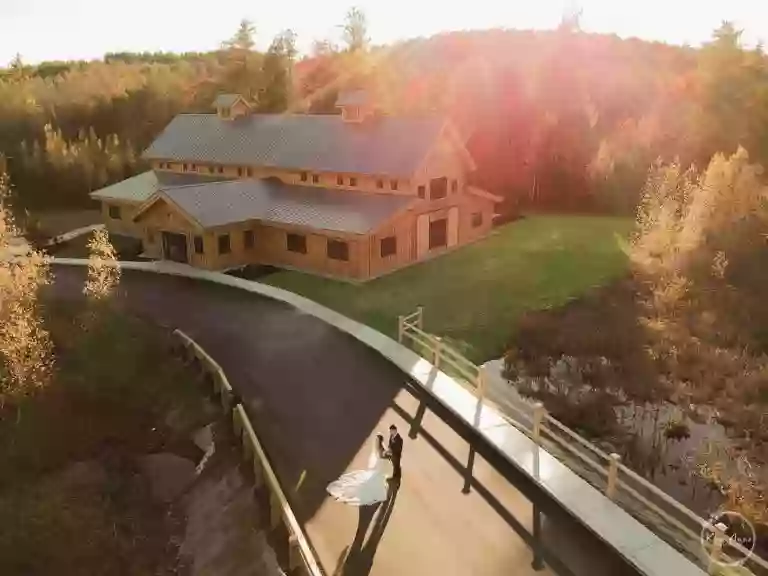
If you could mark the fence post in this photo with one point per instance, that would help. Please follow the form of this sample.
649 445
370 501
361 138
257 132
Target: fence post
420 320
275 510
480 382
438 351
539 412
400 328
613 476
294 553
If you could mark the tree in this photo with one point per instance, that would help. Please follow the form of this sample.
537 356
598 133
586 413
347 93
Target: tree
103 268
243 65
26 357
355 30
277 75
243 38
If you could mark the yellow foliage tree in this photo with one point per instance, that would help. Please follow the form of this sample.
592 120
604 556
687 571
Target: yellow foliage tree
25 345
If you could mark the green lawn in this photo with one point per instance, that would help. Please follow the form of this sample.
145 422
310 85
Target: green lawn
474 295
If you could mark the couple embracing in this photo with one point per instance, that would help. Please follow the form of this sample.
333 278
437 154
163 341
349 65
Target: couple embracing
366 487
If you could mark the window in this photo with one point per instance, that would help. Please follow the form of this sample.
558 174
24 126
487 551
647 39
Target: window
224 112
454 185
438 188
248 239
388 246
393 184
220 169
198 242
379 183
224 247
353 181
211 169
249 172
352 112
338 250
239 172
185 167
422 191
303 176
315 178
194 167
340 180
477 219
438 233
296 243
114 212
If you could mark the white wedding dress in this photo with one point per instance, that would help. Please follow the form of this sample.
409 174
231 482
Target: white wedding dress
363 487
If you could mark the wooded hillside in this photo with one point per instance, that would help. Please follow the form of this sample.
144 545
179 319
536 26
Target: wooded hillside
555 119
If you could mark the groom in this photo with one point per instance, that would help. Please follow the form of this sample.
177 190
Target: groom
395 452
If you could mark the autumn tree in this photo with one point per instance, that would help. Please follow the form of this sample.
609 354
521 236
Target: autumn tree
26 358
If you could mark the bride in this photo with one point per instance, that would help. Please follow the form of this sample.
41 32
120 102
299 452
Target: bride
364 487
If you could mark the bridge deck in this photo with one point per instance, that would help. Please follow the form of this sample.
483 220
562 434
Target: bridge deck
317 398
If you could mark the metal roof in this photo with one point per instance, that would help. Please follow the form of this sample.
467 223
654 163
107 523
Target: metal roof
140 188
386 146
270 200
353 98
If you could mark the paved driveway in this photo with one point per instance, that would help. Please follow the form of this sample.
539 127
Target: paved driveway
317 398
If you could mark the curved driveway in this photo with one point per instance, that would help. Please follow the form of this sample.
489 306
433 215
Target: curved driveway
317 398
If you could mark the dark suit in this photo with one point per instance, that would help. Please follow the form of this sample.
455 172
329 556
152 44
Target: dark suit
396 452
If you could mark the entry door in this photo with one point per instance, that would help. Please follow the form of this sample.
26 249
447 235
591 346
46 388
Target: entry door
175 247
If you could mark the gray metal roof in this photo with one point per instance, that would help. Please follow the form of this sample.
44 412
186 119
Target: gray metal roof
387 146
140 188
226 99
270 200
353 98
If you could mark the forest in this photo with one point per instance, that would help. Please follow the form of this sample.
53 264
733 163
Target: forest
559 120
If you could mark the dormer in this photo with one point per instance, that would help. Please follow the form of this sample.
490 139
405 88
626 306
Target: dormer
355 106
231 106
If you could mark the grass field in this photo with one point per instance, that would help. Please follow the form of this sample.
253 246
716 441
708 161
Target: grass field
474 295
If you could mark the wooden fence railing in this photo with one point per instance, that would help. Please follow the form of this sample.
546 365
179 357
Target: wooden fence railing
301 558
627 488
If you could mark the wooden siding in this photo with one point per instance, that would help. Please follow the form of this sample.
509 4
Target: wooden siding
271 247
125 226
404 230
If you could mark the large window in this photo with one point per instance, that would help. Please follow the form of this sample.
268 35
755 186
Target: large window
239 172
114 212
379 183
393 184
303 176
338 250
224 245
296 243
353 181
248 241
315 178
220 169
198 242
388 246
438 188
340 180
477 219
422 191
438 233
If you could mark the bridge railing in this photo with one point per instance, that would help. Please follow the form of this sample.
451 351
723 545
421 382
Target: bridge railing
671 520
301 557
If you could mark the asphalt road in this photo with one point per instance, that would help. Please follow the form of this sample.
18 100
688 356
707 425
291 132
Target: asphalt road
318 397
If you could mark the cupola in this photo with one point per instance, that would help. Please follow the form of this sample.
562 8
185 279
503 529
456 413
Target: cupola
356 105
231 106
